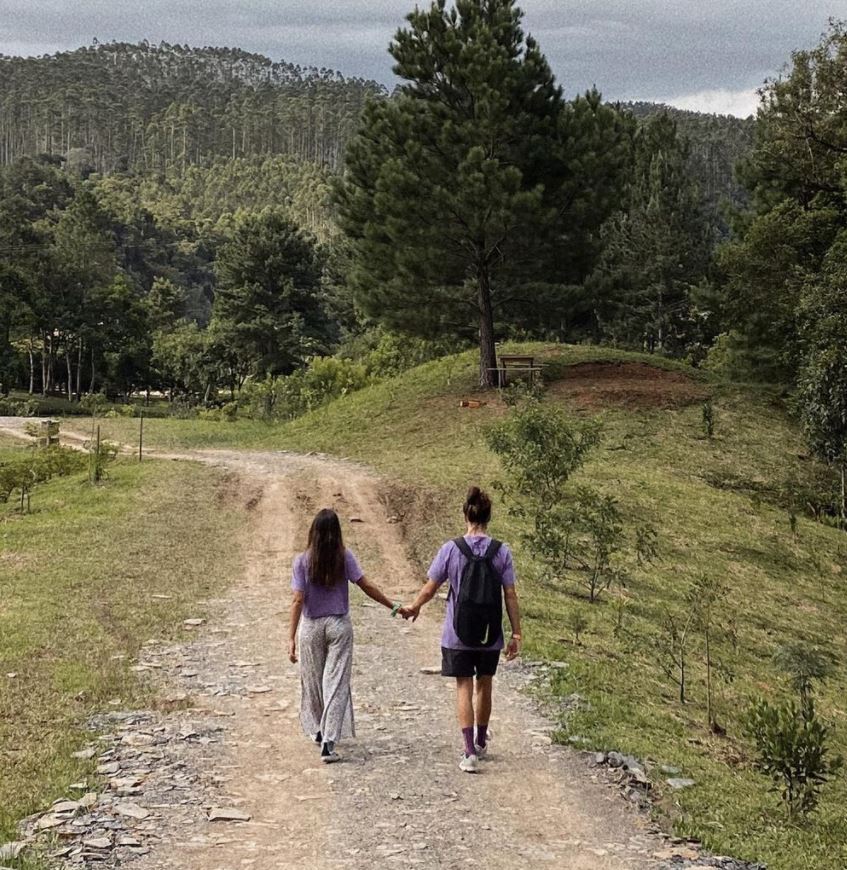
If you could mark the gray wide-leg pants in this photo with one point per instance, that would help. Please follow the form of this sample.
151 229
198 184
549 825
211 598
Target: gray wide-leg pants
326 665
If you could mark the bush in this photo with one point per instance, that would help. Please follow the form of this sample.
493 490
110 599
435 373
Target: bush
324 379
94 403
574 531
522 391
791 743
733 358
387 354
37 466
227 413
18 408
122 411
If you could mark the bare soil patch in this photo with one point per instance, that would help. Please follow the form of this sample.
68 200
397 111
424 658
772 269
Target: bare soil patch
625 385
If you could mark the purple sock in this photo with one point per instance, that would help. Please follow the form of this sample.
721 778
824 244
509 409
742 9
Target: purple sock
467 733
481 735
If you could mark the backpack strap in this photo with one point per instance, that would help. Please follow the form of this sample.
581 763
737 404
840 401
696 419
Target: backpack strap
467 552
493 549
464 548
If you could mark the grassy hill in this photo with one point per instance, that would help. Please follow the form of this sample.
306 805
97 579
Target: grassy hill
720 507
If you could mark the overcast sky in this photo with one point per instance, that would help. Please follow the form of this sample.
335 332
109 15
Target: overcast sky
700 54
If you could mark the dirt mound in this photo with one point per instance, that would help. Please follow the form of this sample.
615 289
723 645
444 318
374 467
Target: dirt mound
625 385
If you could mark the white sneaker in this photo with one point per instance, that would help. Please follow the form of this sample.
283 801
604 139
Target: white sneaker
331 758
482 751
469 764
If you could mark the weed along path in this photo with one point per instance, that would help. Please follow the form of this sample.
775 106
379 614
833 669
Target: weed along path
219 776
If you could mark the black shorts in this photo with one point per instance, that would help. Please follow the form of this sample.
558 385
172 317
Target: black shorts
469 663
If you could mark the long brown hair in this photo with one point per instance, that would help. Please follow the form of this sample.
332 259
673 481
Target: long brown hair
326 549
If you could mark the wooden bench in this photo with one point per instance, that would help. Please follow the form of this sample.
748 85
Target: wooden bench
517 364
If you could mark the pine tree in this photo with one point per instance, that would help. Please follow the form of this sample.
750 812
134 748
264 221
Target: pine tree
267 303
450 191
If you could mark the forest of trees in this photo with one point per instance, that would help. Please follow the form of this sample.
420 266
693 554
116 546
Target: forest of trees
717 143
144 191
124 107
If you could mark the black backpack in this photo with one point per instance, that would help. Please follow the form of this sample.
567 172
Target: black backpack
478 609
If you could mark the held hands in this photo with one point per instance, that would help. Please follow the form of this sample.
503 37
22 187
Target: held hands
292 651
410 612
513 647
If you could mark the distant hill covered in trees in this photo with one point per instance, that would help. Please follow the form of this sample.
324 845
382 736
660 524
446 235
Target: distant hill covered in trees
141 108
717 143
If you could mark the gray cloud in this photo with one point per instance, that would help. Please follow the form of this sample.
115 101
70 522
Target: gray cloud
631 49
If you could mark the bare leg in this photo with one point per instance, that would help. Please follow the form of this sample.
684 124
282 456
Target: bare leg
464 701
484 686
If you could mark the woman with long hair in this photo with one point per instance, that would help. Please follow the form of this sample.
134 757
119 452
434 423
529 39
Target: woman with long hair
481 577
320 609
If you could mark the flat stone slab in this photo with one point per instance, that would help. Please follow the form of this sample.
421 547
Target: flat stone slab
228 814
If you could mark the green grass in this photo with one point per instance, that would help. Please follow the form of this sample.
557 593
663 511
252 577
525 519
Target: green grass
77 578
716 507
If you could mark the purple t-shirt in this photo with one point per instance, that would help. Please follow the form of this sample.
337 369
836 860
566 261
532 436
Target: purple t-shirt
448 565
321 601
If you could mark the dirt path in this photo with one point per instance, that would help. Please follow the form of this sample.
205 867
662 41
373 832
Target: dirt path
398 798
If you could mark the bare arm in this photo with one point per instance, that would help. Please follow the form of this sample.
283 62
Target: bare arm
293 623
510 595
426 595
374 592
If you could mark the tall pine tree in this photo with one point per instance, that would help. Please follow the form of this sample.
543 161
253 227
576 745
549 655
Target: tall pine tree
450 194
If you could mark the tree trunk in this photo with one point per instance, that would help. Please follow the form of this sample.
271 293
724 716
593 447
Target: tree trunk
78 390
44 366
51 358
488 374
31 369
844 496
70 374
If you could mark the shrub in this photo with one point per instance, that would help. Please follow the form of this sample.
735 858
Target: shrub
324 379
709 419
522 391
122 411
386 354
18 408
100 456
804 666
94 403
35 467
574 531
791 743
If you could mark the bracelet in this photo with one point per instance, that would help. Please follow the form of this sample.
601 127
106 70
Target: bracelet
516 636
396 609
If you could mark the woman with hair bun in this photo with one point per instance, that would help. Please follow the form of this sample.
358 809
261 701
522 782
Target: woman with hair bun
481 575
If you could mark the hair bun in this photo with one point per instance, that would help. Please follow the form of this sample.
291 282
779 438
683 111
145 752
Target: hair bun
477 508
